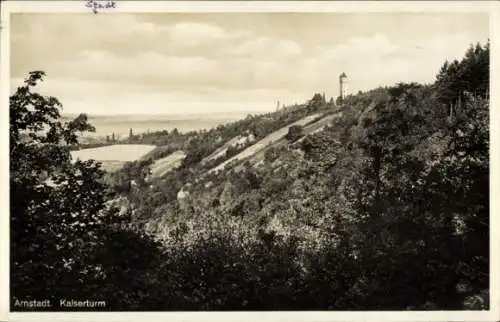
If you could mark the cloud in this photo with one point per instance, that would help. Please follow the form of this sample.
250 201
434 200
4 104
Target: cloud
192 33
106 97
144 64
146 68
98 63
360 48
377 61
266 48
166 72
255 74
69 90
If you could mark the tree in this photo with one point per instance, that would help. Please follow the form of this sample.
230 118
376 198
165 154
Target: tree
404 193
471 74
317 101
60 224
56 206
295 132
466 169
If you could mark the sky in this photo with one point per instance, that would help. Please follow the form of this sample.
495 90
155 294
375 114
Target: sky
178 63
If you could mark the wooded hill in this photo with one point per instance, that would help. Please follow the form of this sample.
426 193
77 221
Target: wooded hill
385 207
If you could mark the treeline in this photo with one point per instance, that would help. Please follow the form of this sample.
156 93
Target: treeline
198 145
206 141
387 208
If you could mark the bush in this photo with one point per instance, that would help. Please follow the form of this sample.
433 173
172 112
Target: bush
295 132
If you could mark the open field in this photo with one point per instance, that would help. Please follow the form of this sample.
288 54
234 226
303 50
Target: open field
113 156
161 166
234 142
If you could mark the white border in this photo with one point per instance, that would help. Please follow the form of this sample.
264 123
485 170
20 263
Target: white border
253 6
125 6
4 162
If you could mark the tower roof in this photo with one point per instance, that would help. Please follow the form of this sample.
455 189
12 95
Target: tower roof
343 75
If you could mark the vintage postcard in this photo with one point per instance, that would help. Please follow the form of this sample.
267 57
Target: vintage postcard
227 161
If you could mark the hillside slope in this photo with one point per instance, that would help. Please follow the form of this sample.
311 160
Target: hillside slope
265 142
162 166
235 142
383 205
309 129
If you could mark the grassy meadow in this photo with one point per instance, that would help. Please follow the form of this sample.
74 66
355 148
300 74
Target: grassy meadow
113 157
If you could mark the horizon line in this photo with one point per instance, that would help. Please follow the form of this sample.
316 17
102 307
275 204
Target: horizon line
169 114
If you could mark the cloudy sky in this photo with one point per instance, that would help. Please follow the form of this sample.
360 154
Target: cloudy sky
171 63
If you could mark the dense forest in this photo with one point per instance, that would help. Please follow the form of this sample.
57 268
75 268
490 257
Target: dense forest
385 208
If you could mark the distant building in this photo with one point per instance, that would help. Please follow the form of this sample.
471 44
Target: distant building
343 86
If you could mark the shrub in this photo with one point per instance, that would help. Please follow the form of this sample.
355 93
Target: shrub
295 132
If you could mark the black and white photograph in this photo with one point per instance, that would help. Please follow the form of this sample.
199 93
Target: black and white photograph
212 160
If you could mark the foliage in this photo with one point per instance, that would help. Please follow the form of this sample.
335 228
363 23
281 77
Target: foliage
60 225
295 132
470 75
386 208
